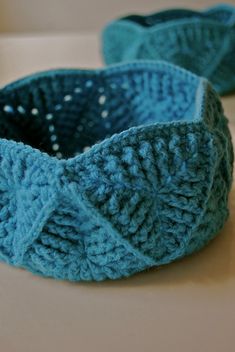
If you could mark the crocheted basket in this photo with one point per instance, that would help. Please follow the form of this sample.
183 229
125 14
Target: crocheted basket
152 188
202 42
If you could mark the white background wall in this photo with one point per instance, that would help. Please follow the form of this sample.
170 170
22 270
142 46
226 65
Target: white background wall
73 15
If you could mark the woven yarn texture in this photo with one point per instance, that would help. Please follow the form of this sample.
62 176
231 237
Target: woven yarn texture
105 173
202 42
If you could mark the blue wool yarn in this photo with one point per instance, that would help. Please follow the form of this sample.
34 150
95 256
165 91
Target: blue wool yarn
202 42
105 173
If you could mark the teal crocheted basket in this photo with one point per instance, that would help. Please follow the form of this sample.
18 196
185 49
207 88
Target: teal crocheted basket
105 173
202 42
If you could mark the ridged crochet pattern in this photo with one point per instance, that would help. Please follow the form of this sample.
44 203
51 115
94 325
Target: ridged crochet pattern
202 42
105 173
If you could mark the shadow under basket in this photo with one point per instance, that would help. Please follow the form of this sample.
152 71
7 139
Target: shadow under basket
108 172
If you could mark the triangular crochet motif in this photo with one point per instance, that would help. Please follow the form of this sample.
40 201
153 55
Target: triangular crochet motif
196 48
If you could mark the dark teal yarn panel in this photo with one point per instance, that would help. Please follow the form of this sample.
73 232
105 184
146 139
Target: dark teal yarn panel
109 172
202 42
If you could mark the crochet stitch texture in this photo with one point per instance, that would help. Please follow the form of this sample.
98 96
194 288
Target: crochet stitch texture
152 188
202 42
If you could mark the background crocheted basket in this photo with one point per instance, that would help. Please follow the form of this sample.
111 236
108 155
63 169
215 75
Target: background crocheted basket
152 188
202 42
